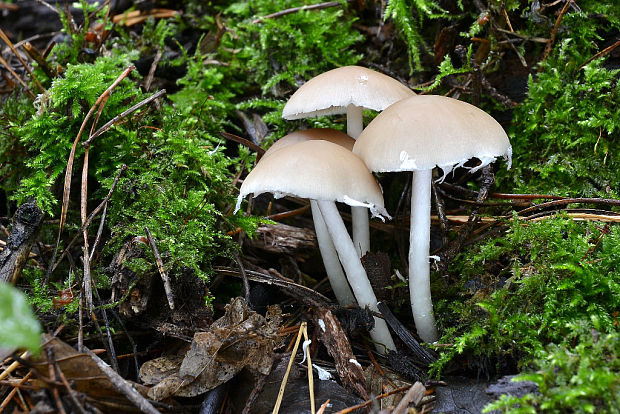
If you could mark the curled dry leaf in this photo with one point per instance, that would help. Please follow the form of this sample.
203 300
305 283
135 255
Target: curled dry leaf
239 339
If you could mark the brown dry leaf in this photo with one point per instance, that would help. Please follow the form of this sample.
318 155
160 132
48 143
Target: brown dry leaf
239 339
85 376
156 370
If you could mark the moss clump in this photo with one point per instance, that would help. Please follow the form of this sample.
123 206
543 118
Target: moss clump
559 278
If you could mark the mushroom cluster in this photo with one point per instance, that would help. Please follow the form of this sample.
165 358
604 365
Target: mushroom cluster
413 133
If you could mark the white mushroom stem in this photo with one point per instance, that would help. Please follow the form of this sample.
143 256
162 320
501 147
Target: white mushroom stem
355 271
359 215
419 246
336 276
361 230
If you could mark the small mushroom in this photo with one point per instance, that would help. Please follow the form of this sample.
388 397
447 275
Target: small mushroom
350 90
326 172
418 134
333 268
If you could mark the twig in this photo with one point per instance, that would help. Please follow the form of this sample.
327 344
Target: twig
606 201
160 267
259 384
16 76
71 391
149 78
89 219
422 354
297 9
554 32
288 214
302 293
247 143
276 408
49 6
370 401
14 365
52 374
123 386
34 53
8 42
109 345
99 232
122 115
413 396
602 53
310 376
11 394
522 36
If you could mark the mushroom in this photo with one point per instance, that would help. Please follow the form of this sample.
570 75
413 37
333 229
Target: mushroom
326 172
350 90
336 276
418 134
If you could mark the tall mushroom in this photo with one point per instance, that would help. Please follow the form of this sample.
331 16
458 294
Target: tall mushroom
418 134
326 172
333 268
350 90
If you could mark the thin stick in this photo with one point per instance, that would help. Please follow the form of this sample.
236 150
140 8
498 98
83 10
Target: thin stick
123 386
49 6
71 391
6 40
368 402
607 201
276 409
13 366
554 31
109 345
310 374
89 219
244 277
11 394
88 289
99 232
297 9
149 78
413 396
246 143
160 267
34 54
603 52
52 375
120 116
16 76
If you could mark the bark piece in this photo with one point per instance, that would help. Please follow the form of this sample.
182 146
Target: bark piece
335 340
283 239
24 230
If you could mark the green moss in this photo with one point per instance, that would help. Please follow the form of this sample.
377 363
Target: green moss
564 135
552 274
579 375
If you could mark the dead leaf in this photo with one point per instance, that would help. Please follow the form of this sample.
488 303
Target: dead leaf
240 339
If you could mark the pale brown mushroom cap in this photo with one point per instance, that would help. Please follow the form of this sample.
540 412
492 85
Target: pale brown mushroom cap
425 131
326 134
317 170
331 92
